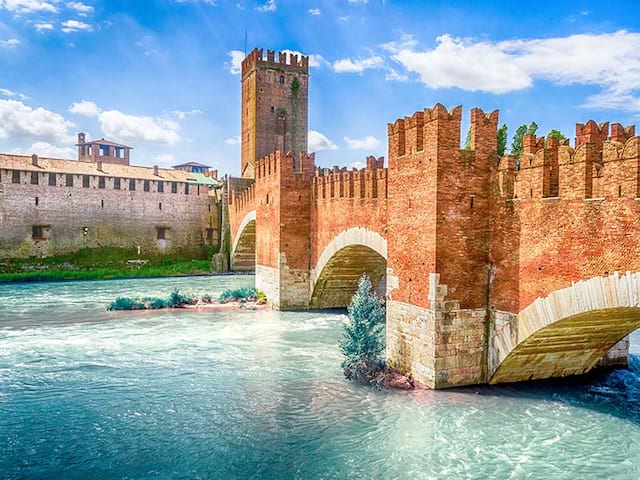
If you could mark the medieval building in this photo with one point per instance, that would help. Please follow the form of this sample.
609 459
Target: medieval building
53 206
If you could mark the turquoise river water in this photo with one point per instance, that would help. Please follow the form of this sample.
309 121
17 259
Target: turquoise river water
91 394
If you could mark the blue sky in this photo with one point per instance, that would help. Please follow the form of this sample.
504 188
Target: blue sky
161 75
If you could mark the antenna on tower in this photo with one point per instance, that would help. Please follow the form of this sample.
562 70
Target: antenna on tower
245 42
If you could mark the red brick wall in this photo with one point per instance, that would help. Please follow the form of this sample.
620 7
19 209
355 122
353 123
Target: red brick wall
344 199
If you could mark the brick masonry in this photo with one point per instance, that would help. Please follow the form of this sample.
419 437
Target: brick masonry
470 241
79 216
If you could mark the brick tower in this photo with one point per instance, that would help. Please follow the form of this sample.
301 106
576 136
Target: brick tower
274 106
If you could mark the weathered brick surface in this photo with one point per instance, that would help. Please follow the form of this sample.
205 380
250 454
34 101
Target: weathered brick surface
469 241
123 218
274 106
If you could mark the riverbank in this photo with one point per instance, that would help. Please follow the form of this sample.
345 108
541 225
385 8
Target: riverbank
105 264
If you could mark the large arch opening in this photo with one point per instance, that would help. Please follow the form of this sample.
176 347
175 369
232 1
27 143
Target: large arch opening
568 332
243 253
571 346
343 261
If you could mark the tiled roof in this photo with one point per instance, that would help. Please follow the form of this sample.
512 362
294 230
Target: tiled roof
102 141
23 163
191 164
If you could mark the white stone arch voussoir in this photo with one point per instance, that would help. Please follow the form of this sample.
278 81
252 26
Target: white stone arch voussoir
597 294
249 217
352 236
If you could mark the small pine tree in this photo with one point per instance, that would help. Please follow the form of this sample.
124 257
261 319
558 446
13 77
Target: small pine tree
502 140
467 141
362 340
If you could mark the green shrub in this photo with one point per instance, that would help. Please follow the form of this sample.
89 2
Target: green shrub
177 300
362 341
247 294
121 303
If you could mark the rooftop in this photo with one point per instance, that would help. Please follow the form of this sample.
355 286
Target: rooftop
102 141
56 165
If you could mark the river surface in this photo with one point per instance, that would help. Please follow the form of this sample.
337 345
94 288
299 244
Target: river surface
90 394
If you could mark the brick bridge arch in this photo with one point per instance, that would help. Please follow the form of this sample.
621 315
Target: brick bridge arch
346 257
243 251
568 332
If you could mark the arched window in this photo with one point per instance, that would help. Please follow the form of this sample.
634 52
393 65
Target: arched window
281 79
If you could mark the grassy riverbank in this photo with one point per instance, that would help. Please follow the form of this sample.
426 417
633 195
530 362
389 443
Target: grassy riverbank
105 263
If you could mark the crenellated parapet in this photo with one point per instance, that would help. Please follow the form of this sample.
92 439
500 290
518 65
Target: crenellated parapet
289 62
244 200
285 164
602 164
340 183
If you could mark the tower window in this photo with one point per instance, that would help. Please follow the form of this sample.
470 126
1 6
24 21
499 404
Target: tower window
86 181
281 79
161 233
52 179
15 176
132 184
116 184
174 187
69 180
101 182
146 185
34 178
273 109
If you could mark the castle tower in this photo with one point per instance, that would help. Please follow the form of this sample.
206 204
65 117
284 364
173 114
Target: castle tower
274 106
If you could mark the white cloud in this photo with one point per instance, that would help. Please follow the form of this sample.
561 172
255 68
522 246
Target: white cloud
118 125
269 6
393 76
46 149
319 142
314 11
358 65
72 26
5 92
165 159
365 143
29 6
610 61
85 108
358 1
233 140
9 43
19 120
183 114
344 19
43 26
82 8
235 62
315 59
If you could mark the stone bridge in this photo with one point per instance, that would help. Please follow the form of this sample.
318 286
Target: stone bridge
495 270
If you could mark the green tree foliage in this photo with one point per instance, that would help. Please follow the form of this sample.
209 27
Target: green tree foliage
556 134
362 340
502 140
467 141
517 143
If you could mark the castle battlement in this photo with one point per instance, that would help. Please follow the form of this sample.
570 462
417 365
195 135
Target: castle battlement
337 183
286 61
278 163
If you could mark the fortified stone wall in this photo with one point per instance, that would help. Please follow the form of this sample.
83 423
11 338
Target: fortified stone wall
39 218
586 225
346 198
283 218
